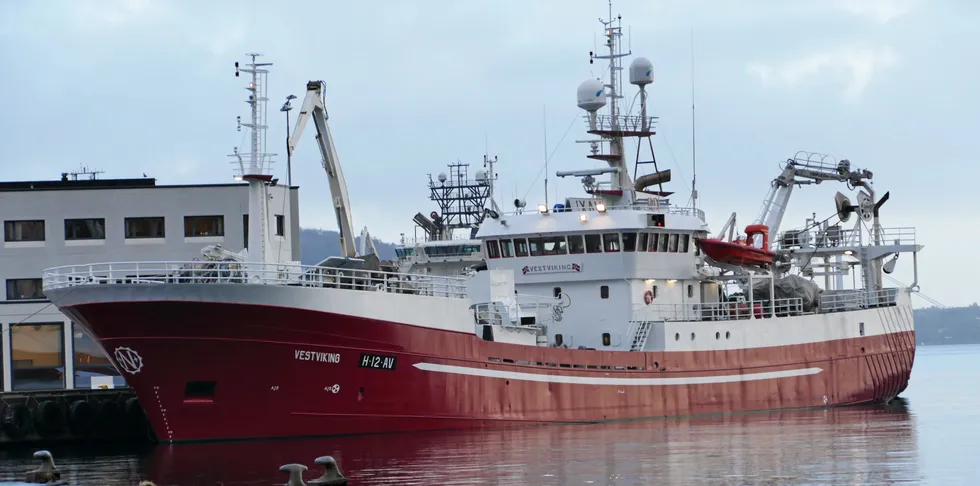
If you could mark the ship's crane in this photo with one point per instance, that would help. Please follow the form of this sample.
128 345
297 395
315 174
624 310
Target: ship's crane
807 168
314 107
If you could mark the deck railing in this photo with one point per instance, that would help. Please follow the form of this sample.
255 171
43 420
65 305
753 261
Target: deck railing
836 236
719 311
212 272
524 311
641 205
848 300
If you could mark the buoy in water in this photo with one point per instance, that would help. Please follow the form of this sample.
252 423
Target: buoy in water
331 476
47 472
295 474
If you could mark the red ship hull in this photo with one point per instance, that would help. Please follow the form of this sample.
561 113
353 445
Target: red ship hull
205 370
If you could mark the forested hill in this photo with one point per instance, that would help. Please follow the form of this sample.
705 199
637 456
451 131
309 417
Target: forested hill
317 244
934 325
948 325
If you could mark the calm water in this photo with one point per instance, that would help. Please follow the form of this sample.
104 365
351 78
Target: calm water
932 438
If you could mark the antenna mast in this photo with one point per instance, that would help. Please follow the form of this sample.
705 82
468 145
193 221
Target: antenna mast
544 125
694 150
259 161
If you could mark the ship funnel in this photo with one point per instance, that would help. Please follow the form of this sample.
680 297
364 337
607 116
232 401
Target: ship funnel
648 180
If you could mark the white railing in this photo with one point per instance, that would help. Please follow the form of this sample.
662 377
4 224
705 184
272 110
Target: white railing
211 272
719 311
626 123
848 300
516 312
835 237
642 205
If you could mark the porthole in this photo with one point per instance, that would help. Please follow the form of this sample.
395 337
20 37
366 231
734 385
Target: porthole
677 337
728 335
717 335
692 336
656 364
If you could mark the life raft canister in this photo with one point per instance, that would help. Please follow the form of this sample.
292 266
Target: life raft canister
648 297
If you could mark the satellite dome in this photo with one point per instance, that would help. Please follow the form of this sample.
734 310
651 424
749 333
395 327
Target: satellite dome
481 175
641 71
591 95
442 177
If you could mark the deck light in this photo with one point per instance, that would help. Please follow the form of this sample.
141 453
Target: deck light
584 217
600 207
542 209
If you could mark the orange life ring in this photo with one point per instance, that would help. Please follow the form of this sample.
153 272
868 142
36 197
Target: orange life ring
648 297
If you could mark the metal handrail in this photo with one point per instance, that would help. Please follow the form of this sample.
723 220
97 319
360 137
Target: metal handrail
231 272
719 311
846 300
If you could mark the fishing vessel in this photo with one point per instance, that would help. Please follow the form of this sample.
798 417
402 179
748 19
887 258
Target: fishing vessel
599 307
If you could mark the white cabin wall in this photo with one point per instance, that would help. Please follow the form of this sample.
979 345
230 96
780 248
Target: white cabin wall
586 315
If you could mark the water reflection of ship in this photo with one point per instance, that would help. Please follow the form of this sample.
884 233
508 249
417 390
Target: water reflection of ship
859 444
448 244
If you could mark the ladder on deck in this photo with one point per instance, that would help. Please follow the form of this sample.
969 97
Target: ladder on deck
640 336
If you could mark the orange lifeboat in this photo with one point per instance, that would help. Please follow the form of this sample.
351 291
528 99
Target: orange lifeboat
740 252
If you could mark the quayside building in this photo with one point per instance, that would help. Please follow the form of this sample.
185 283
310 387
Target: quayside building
82 218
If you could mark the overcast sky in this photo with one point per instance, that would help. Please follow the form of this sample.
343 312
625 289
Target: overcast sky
137 86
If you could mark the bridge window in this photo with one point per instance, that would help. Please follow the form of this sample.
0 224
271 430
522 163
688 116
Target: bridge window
575 244
641 244
685 243
536 245
654 241
593 244
506 248
23 230
610 242
604 292
555 246
673 243
85 229
493 249
520 247
662 242
629 241
204 225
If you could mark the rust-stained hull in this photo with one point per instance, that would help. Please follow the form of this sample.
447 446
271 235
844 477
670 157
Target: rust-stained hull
287 372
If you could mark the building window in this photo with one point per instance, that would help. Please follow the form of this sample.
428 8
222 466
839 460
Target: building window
38 356
280 225
204 226
24 289
23 230
144 227
85 229
91 361
604 292
606 339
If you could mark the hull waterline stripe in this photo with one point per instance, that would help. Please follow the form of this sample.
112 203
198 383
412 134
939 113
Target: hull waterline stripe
598 380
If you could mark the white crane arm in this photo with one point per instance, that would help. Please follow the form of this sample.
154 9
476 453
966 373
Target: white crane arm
313 107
